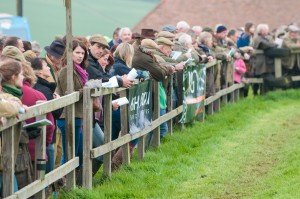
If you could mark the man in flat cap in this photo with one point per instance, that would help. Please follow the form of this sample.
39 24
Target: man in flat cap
166 34
94 69
291 64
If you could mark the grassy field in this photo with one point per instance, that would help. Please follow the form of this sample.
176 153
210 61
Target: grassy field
248 150
47 18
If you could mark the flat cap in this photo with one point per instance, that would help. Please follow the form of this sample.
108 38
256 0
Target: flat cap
164 41
29 55
166 34
99 39
14 53
148 43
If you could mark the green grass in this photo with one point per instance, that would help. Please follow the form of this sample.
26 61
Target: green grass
248 150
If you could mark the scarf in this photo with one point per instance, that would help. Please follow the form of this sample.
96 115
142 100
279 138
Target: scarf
11 89
82 73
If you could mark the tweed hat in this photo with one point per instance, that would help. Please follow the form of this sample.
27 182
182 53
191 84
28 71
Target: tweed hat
164 41
56 48
14 53
148 43
148 33
166 34
99 39
29 55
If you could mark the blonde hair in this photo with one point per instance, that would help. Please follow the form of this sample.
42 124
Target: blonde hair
28 73
125 52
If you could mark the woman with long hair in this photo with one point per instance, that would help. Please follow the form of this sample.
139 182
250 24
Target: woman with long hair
80 77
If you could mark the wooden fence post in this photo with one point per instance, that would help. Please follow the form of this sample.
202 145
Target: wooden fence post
156 114
236 95
40 154
170 103
124 129
107 110
8 160
88 138
278 70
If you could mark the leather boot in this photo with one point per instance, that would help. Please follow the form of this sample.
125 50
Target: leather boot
117 160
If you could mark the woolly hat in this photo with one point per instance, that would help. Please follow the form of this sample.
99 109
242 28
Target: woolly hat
220 29
29 55
169 28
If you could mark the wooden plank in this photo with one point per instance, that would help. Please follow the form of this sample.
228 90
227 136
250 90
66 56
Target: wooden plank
107 133
107 147
237 95
43 108
105 91
255 80
40 154
278 69
87 138
170 103
212 63
70 142
8 161
296 78
50 178
141 148
156 113
124 129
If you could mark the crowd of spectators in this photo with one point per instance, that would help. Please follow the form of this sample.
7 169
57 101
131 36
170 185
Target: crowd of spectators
27 78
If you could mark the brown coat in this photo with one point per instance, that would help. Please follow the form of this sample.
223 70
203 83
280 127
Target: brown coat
144 59
261 63
62 89
293 44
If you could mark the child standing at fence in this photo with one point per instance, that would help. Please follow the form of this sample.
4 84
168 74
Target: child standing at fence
239 68
80 77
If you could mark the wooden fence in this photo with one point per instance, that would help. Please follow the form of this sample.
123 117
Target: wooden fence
12 129
10 142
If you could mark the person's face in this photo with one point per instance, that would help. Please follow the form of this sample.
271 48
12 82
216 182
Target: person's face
55 61
20 45
209 42
96 50
252 29
126 36
37 53
294 35
18 80
45 72
166 50
222 35
235 37
103 61
78 55
264 32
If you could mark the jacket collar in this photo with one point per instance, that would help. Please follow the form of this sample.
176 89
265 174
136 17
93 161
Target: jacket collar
50 85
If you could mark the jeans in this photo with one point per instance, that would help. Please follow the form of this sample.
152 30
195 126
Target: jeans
115 124
98 139
1 185
78 139
164 126
51 158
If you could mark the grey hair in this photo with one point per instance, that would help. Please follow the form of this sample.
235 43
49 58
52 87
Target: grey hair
123 30
185 39
183 24
261 27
